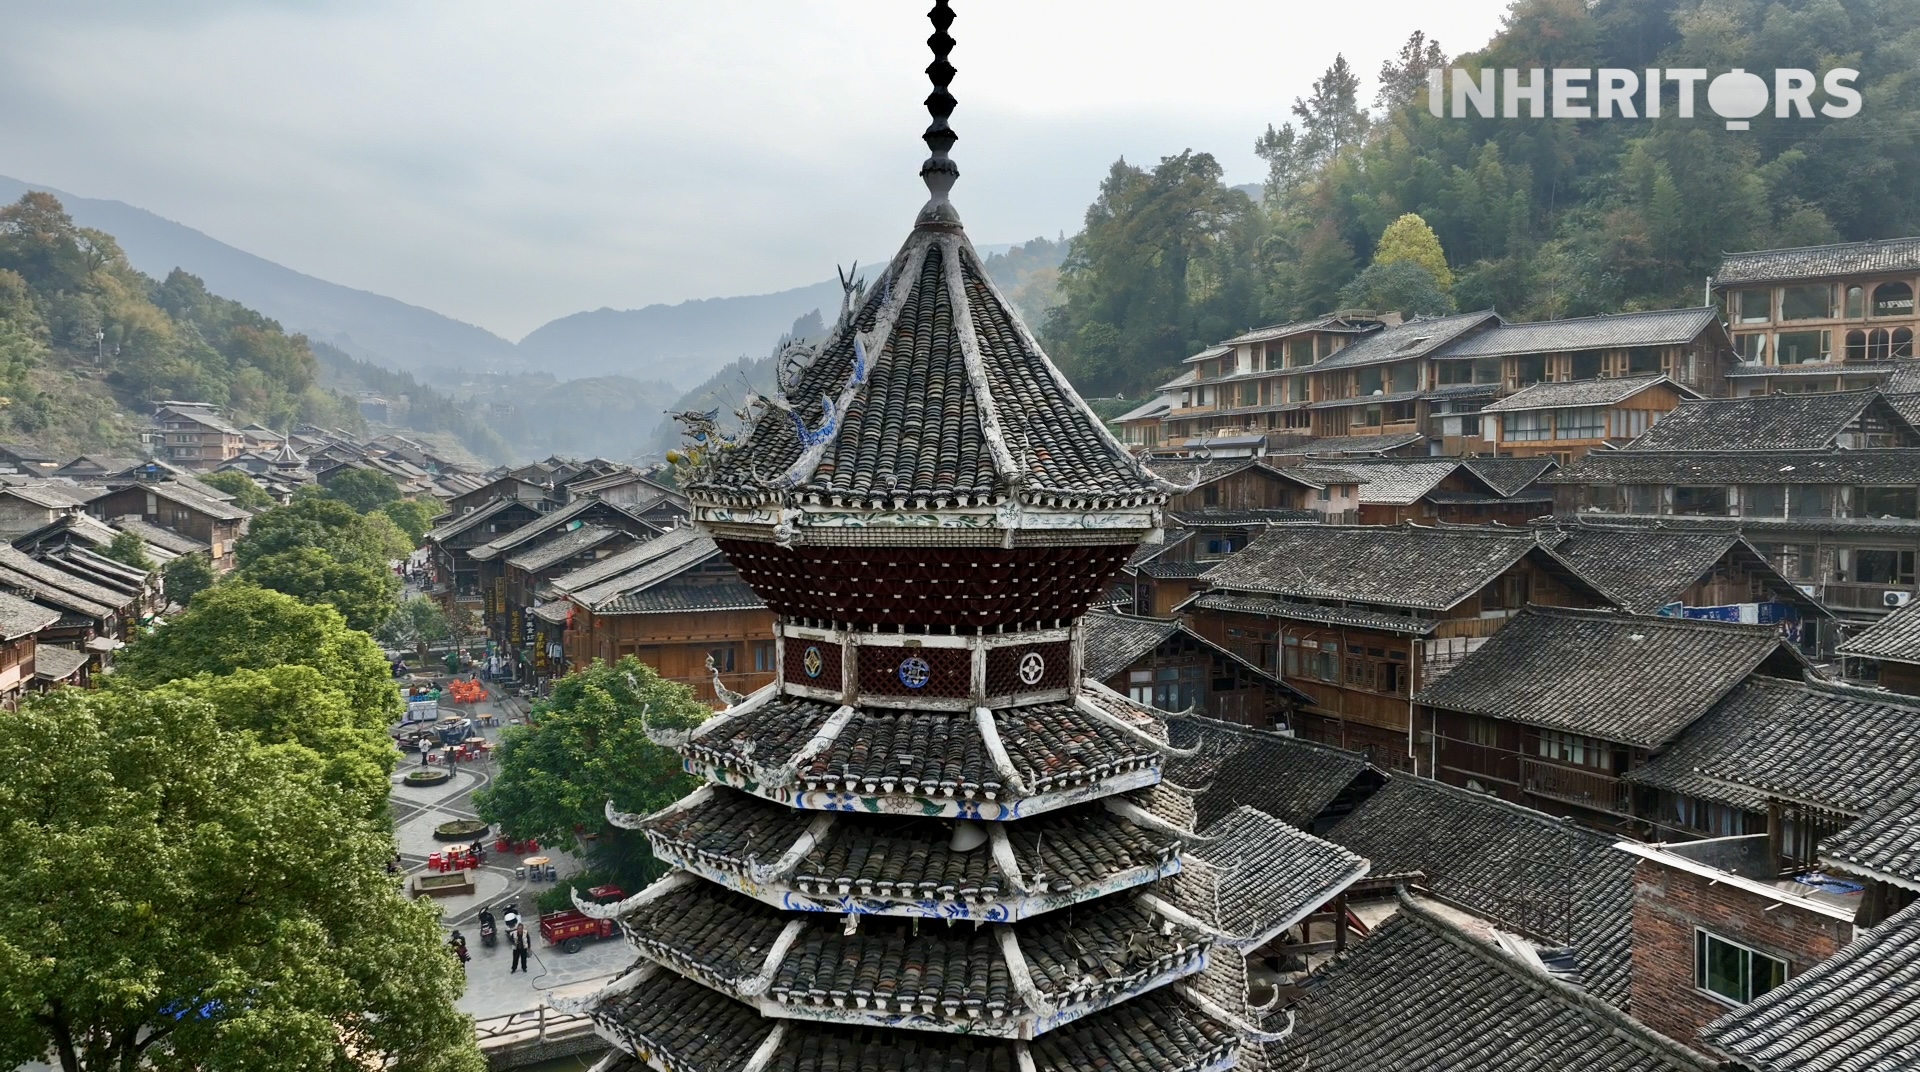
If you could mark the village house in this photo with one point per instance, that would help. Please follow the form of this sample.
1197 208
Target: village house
1820 318
1303 783
584 531
1844 523
26 459
1854 1010
1715 927
1164 664
1564 421
179 507
1451 491
1849 420
1255 383
676 604
1560 706
20 621
455 574
1360 618
1793 762
1886 653
1881 849
28 506
195 435
93 616
1653 568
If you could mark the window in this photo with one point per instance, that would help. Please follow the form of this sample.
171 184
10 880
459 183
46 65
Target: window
1878 566
1367 415
1884 502
1893 299
1879 344
1370 380
1643 499
1482 731
722 659
1529 370
1406 378
1583 423
1764 500
1700 502
1327 665
1643 361
1733 972
1856 303
1812 302
1210 495
1903 342
1566 748
1856 345
1800 347
1586 365
763 658
1452 372
1399 412
1627 423
1753 306
1751 348
1526 427
1297 389
1808 500
1300 352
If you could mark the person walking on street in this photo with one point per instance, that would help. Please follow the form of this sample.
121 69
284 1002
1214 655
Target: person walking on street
521 943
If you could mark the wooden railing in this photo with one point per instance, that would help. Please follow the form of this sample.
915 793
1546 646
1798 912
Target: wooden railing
1574 785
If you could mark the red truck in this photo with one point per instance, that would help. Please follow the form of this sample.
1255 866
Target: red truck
570 930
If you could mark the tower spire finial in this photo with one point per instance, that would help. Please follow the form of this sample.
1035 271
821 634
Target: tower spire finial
939 172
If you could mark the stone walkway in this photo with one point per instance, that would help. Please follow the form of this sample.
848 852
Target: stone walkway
491 991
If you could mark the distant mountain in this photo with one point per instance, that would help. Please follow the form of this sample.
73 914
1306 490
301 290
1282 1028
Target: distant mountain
678 345
366 325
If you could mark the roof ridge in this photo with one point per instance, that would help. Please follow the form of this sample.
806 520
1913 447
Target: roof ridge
1519 811
1262 733
1621 1022
1659 621
1858 244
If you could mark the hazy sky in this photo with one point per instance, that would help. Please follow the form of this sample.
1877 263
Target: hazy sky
510 162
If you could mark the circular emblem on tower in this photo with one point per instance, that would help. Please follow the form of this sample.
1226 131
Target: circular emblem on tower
1032 668
914 672
811 661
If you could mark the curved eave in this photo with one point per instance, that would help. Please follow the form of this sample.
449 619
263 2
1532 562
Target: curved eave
997 808
1005 909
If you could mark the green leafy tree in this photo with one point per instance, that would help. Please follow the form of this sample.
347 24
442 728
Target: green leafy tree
294 704
1404 77
1331 118
414 517
364 489
363 592
1404 287
588 745
240 626
181 897
1410 239
419 621
127 548
245 492
187 576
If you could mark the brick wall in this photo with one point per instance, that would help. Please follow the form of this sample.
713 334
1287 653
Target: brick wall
1668 904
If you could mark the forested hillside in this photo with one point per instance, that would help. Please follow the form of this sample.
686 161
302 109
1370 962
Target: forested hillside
87 342
1537 218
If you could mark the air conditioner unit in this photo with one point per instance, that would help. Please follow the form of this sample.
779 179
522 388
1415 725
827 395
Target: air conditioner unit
1896 599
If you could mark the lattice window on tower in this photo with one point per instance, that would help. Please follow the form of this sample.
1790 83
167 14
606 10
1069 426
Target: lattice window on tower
1028 668
943 673
813 663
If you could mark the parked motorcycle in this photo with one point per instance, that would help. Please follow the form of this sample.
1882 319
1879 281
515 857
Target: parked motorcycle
511 917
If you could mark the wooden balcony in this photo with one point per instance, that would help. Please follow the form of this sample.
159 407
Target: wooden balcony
1575 785
1870 597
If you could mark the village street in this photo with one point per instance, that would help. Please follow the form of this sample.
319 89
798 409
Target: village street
491 991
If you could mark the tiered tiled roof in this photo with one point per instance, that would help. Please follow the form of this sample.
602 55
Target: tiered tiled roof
1660 327
937 756
1812 262
1633 679
904 865
930 392
1416 568
1895 638
1854 1011
1299 782
1269 874
1576 393
1893 466
1421 994
1548 878
1789 421
1885 843
1832 745
1645 568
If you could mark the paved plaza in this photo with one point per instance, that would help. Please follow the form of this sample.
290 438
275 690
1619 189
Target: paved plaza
491 991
